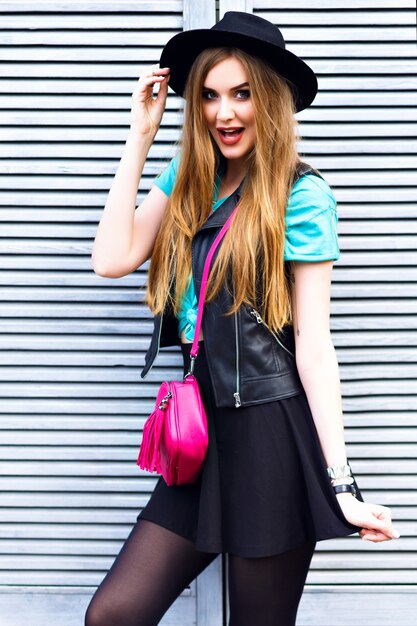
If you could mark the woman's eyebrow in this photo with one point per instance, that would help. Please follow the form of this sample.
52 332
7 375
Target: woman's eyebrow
231 88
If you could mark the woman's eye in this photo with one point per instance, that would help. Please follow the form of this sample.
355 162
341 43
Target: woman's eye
241 93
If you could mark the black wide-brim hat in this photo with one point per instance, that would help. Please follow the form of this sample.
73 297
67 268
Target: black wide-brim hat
250 33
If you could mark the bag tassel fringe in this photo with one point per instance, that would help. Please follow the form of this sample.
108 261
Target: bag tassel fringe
148 458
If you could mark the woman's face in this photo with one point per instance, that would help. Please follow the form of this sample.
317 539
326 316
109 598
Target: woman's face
227 104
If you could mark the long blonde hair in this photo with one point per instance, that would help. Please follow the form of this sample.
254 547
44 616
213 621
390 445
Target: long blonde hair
254 244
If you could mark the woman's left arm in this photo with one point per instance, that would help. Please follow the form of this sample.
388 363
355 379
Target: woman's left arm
318 369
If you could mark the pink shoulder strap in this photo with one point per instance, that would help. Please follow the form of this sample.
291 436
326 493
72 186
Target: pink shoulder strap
203 289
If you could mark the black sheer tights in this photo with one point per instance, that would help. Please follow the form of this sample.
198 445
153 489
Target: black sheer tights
155 565
266 591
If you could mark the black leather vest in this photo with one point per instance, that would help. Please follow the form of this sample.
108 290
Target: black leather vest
248 363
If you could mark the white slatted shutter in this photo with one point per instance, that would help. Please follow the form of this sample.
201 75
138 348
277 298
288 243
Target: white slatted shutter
72 343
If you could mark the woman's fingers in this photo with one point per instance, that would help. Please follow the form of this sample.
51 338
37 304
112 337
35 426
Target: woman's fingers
378 526
147 111
369 534
163 89
374 520
149 79
157 74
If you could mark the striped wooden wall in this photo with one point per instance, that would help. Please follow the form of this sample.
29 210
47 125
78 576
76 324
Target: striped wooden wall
72 343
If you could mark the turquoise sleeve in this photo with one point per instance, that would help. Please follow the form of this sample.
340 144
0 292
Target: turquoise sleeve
166 179
311 221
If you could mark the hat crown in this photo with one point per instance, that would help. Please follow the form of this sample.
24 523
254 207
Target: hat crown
248 32
250 25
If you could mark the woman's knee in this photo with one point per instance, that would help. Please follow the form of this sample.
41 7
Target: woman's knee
94 615
100 613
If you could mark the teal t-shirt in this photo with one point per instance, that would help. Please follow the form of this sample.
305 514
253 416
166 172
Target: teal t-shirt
310 229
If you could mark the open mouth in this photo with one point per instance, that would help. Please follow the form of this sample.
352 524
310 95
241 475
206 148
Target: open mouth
230 137
232 133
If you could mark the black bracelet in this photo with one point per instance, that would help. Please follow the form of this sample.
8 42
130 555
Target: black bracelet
343 488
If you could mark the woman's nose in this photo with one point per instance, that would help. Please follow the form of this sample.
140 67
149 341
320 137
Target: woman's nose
225 111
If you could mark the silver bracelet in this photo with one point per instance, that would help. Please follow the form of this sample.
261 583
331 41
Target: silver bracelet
339 471
346 480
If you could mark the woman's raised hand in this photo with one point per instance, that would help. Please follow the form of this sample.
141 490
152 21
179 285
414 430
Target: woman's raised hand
147 111
374 519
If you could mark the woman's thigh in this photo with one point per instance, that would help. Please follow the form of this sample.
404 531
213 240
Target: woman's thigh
268 590
152 569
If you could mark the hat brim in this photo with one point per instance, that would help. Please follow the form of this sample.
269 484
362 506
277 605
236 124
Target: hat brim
181 51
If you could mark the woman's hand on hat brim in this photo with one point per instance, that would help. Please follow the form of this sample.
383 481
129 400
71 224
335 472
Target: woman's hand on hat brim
147 111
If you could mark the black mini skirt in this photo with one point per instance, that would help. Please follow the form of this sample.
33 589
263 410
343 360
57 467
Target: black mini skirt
264 487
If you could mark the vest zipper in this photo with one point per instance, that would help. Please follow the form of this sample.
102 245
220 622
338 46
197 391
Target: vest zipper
160 328
259 319
236 395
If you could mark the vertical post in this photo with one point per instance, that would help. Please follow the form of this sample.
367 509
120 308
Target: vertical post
235 5
197 14
201 14
210 594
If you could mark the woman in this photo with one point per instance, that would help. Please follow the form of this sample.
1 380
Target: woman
270 487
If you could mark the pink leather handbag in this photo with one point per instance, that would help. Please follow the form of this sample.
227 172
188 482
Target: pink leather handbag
175 435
